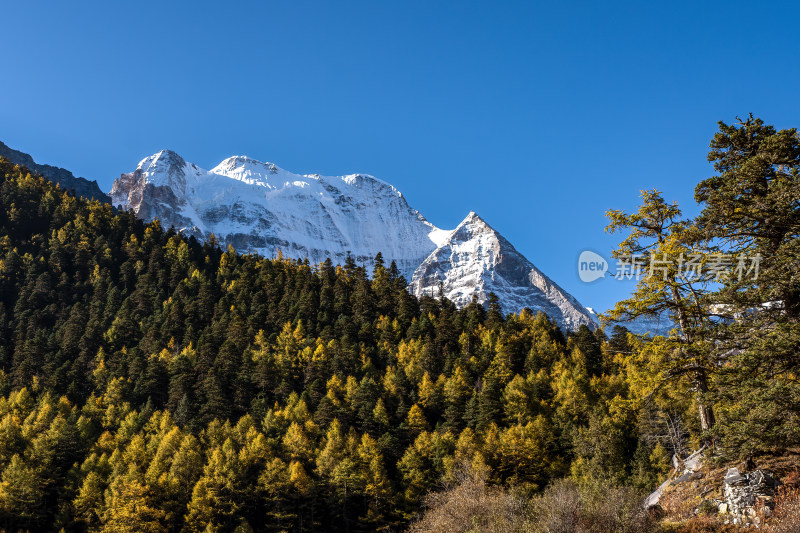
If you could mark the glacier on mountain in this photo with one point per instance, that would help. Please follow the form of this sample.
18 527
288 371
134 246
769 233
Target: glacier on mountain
259 207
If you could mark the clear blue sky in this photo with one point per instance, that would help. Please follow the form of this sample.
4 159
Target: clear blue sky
538 116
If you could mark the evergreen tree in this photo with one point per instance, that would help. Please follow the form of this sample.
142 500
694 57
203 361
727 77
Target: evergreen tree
657 229
751 210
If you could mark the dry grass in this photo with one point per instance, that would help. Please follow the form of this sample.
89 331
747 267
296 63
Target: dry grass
705 524
678 503
785 517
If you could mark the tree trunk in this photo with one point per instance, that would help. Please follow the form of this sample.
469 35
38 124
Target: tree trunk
707 420
700 380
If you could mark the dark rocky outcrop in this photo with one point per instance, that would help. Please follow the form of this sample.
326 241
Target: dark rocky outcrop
63 177
151 201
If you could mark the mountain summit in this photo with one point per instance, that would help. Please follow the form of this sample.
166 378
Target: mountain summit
476 260
260 207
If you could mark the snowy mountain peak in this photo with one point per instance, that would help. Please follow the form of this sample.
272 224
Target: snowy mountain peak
166 168
473 224
160 162
252 171
476 259
472 227
260 207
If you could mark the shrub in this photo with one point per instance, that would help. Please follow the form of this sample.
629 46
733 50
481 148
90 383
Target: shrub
470 505
613 508
558 509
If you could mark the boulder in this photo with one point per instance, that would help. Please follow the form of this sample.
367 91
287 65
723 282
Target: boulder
733 477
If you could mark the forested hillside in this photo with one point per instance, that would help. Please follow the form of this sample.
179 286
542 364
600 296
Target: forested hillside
154 383
163 384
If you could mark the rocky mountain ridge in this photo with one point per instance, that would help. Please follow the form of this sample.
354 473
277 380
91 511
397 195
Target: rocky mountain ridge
61 176
259 207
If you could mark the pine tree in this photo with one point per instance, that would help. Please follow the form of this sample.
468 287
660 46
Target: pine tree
751 210
657 229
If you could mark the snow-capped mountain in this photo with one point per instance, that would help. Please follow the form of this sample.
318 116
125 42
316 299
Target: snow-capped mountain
476 259
260 207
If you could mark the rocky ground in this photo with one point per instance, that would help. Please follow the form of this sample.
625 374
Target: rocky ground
741 495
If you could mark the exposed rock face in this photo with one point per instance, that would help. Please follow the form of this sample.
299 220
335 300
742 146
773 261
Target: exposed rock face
476 259
64 178
684 470
156 189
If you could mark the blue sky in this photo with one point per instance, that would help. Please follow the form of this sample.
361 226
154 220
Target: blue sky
538 116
